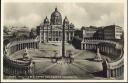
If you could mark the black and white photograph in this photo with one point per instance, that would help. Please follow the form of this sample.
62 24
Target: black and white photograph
64 41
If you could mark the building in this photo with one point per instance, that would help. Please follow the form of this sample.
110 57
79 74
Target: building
51 30
93 37
112 32
99 33
88 32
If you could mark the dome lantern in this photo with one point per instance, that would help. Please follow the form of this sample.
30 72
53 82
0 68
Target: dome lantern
56 9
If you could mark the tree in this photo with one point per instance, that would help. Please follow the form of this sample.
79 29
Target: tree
15 35
32 33
6 30
83 28
78 33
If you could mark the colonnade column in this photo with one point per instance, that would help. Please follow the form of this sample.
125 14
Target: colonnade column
81 46
73 33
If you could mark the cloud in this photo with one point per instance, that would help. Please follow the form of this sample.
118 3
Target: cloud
30 21
80 14
75 14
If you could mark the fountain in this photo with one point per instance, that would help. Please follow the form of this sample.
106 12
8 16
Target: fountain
25 55
98 56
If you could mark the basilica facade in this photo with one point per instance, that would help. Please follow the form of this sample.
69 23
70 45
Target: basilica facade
51 30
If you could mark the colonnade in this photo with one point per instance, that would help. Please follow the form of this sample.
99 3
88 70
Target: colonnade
115 68
89 46
23 45
104 47
116 72
17 71
16 67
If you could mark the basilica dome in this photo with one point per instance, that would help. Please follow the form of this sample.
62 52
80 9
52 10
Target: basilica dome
56 18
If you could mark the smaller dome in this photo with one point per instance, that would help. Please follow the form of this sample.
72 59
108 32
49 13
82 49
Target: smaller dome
66 21
46 20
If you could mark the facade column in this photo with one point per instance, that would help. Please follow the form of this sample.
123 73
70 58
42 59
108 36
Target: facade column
58 35
73 33
65 36
44 36
47 35
52 36
69 36
40 36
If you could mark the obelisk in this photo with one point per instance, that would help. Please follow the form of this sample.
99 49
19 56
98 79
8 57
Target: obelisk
63 40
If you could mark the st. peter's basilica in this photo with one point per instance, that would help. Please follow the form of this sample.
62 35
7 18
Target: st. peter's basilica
51 30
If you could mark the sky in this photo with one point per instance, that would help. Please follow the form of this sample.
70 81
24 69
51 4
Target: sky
80 14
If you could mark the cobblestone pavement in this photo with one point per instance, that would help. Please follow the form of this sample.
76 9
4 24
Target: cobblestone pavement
79 68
